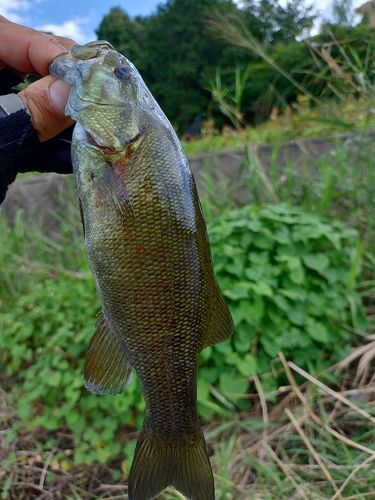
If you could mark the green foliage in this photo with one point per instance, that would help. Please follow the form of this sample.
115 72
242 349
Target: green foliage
48 308
335 65
343 11
179 48
275 22
176 51
44 341
289 279
129 36
47 316
172 50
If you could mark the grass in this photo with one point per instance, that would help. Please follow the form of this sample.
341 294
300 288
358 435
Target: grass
301 122
314 440
347 78
339 184
314 443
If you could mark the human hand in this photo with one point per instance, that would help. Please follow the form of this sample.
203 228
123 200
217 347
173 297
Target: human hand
26 51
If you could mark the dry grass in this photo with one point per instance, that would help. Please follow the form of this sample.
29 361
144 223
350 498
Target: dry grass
316 442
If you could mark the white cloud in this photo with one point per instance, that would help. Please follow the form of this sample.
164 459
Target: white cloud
11 9
18 11
70 29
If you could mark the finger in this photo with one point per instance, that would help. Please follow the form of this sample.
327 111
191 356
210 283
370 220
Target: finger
46 100
29 51
67 43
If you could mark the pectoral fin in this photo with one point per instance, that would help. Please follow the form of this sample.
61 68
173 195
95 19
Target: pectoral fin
107 370
81 215
221 325
111 189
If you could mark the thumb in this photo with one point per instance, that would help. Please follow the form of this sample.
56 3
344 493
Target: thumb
46 100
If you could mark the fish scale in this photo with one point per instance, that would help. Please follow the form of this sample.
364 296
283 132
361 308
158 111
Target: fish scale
148 251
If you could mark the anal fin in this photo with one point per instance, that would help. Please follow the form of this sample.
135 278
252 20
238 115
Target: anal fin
107 370
221 325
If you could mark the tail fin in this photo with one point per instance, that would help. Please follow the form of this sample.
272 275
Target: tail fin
158 464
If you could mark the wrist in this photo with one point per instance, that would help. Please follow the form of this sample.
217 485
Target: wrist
11 103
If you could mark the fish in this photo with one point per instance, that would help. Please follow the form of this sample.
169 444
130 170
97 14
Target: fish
149 254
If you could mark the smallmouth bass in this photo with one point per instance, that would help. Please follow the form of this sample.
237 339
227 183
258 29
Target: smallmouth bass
148 251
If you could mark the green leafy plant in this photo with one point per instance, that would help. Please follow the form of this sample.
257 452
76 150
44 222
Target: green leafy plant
48 309
44 341
289 278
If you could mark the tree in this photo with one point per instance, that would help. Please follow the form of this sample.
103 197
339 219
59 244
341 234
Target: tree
343 12
269 20
173 51
176 51
125 34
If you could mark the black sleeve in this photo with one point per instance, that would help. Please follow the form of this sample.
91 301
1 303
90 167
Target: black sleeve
20 149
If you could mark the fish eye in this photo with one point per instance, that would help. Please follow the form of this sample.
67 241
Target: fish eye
123 73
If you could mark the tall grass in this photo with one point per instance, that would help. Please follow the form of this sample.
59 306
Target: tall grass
318 441
315 444
339 183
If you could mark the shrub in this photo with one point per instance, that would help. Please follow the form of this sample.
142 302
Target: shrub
289 279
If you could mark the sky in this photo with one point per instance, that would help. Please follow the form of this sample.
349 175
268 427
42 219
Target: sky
79 19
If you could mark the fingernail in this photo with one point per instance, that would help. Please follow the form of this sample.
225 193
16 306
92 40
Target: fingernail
59 93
